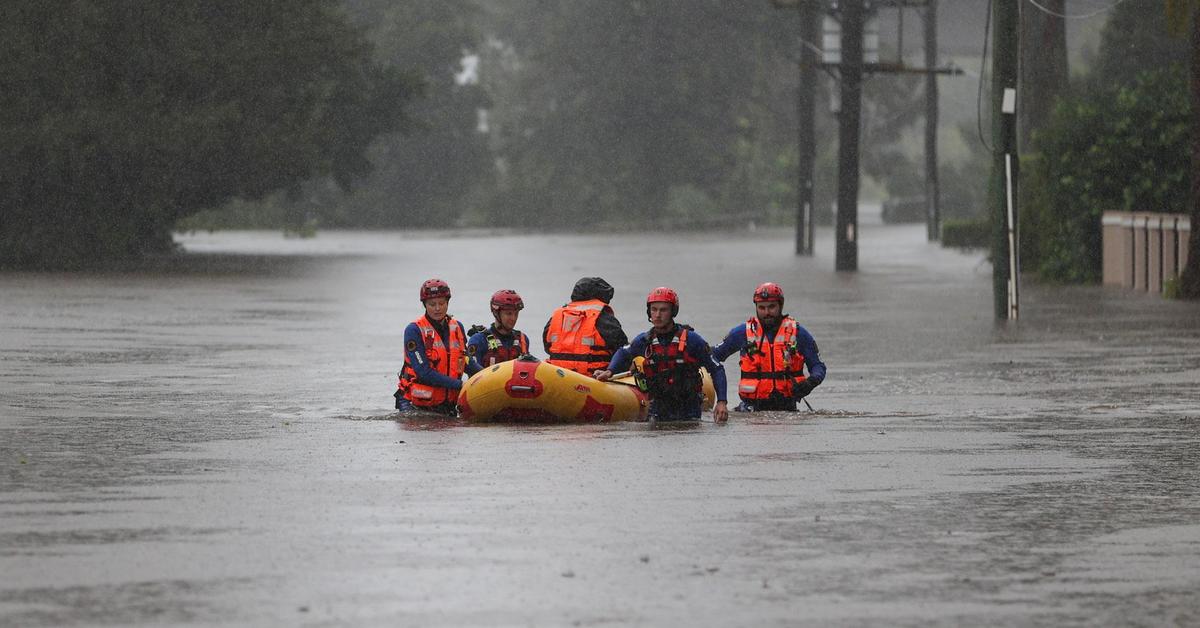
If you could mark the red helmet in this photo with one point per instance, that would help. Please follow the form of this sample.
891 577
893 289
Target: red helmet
506 300
768 292
663 294
434 288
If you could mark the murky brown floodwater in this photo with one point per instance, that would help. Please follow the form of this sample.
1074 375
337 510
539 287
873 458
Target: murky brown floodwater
211 443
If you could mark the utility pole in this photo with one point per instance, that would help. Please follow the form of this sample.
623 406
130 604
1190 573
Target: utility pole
1005 267
851 71
806 96
933 210
810 14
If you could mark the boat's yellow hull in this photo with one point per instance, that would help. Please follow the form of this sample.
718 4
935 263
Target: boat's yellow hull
531 390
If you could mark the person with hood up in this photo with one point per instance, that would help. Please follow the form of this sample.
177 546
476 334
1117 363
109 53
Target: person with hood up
582 335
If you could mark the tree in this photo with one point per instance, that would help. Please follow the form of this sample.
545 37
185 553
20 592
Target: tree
118 118
443 164
1120 147
618 109
1184 16
1044 71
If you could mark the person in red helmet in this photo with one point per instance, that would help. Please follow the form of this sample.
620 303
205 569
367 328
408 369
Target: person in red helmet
775 351
434 356
674 355
582 335
499 342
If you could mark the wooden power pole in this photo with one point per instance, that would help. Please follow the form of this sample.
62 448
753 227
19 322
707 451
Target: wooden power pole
810 57
849 120
1005 268
933 209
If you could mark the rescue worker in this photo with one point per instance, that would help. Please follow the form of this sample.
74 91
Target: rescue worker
775 351
499 342
582 335
434 355
674 355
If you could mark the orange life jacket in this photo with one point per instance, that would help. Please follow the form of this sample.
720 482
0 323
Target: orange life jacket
574 342
447 360
496 351
770 366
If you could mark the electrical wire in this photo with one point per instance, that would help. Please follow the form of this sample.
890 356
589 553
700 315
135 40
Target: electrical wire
1075 17
987 27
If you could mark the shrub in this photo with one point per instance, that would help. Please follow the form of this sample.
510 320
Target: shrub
1108 148
967 233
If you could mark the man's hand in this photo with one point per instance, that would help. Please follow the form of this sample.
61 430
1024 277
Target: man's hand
602 374
801 390
721 412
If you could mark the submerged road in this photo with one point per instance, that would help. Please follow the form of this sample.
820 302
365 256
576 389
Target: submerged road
209 441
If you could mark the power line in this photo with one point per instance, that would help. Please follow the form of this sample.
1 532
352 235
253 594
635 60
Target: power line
987 26
1076 17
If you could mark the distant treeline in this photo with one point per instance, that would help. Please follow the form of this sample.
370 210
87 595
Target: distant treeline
119 118
123 120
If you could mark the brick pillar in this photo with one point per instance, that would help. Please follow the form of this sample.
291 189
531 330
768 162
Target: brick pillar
1140 250
1154 248
1170 244
1117 244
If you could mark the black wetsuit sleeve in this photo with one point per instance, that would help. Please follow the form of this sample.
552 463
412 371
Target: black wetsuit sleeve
610 330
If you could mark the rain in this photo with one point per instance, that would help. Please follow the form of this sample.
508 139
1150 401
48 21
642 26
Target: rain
217 219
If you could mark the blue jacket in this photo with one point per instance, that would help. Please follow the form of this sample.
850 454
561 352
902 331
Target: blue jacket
414 355
735 341
477 347
696 347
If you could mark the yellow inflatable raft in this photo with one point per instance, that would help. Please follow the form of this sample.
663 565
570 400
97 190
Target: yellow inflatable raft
531 390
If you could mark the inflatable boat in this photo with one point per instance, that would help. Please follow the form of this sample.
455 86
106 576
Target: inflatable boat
528 389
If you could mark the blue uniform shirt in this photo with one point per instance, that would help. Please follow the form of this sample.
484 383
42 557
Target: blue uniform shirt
735 341
477 347
696 347
414 355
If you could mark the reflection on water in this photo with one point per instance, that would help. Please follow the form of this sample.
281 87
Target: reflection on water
209 439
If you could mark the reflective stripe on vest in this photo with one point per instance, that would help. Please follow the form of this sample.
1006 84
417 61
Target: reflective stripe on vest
447 360
773 366
574 342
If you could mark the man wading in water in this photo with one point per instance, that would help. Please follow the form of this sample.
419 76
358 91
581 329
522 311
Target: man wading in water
775 350
674 356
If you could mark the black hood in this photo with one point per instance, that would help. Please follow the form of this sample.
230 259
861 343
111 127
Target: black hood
592 288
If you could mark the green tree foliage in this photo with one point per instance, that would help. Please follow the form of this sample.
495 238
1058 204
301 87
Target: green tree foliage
1120 141
1114 148
604 107
429 176
1183 18
892 105
1137 37
117 118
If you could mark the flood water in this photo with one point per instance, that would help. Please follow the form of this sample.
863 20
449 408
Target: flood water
210 441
